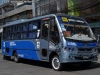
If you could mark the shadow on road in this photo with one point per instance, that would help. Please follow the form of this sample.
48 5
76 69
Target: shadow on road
68 67
77 67
36 63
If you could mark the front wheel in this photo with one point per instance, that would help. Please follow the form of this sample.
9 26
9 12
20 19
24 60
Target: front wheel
16 59
56 65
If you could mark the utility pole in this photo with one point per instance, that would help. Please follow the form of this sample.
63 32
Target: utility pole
33 7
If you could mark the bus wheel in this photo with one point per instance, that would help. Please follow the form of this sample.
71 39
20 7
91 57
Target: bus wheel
56 65
16 59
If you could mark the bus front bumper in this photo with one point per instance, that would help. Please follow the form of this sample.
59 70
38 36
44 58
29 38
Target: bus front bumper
79 57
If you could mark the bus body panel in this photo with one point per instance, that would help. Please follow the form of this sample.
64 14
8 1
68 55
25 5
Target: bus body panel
82 50
25 49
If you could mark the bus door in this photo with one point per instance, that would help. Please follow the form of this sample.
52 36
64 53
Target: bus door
44 43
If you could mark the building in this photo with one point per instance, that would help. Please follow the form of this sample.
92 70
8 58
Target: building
88 9
11 11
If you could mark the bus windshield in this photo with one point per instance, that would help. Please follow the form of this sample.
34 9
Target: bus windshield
76 29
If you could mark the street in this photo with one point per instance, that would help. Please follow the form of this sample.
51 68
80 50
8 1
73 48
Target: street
28 67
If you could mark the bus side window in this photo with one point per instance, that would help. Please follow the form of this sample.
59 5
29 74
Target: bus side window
24 27
13 32
13 36
4 33
24 34
33 29
8 34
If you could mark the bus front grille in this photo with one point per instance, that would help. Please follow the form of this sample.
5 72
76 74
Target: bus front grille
85 49
81 58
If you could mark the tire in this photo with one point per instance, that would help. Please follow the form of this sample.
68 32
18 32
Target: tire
85 64
16 59
56 65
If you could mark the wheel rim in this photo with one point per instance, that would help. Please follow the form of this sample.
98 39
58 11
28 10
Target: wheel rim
15 57
55 63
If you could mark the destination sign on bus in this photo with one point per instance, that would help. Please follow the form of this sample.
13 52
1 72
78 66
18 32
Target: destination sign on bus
64 19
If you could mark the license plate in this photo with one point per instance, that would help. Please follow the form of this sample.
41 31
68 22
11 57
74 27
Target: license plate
85 57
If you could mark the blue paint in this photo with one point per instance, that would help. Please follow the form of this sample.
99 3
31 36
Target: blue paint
25 49
80 45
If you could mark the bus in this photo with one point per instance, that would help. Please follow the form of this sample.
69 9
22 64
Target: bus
55 38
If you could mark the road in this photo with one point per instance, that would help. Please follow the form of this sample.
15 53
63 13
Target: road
28 67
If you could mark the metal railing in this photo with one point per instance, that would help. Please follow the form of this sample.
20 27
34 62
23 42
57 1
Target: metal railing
24 4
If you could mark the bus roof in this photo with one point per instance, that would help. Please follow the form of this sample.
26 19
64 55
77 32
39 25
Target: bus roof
15 22
26 20
35 18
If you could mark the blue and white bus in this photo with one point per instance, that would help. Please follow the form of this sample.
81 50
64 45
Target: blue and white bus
55 38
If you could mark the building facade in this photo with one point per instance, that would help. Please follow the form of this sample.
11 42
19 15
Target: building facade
88 9
11 11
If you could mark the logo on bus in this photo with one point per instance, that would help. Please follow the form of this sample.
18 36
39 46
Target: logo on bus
12 44
72 43
38 44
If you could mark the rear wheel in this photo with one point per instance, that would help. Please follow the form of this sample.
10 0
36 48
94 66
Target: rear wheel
56 65
16 59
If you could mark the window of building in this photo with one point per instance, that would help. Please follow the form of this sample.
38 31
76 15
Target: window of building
53 7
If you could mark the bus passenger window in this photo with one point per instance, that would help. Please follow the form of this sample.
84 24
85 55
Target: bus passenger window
24 27
32 26
35 34
33 30
30 34
14 28
8 34
18 36
24 35
13 36
4 33
19 28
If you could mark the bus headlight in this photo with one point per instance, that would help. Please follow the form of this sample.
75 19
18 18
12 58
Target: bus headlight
95 50
70 49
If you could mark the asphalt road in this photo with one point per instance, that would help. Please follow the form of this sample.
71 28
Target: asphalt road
28 67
